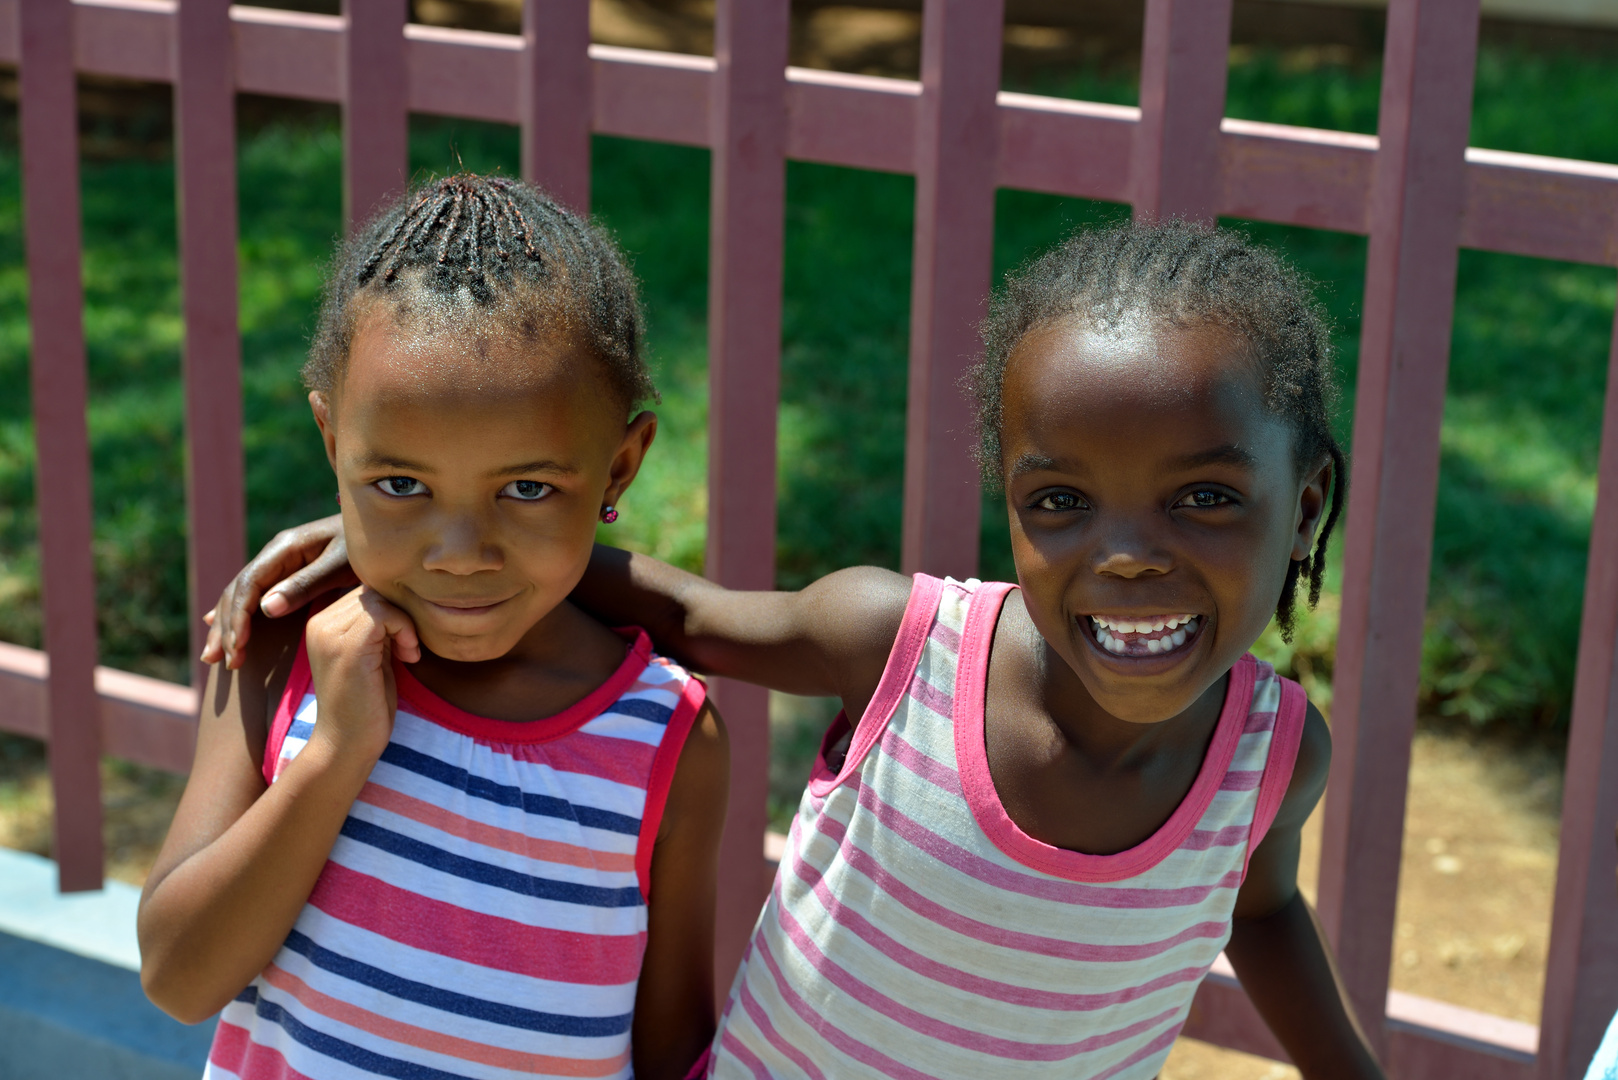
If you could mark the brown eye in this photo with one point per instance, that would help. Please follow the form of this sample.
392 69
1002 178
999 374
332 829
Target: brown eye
1060 500
1205 499
401 486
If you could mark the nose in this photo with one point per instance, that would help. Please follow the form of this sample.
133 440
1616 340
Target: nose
1129 550
463 546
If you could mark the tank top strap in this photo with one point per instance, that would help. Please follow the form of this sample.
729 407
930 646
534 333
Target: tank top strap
921 612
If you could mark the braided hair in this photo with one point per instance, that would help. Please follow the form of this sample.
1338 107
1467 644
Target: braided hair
1185 274
486 253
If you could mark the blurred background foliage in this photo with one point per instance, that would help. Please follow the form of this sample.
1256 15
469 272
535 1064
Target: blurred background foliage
1521 426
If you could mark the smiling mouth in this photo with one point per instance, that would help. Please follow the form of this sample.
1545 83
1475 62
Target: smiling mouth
464 607
1145 635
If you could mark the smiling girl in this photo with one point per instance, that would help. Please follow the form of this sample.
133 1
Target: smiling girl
424 830
1047 807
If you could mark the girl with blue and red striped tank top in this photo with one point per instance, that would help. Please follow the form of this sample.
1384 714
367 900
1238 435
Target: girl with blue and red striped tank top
426 824
1047 808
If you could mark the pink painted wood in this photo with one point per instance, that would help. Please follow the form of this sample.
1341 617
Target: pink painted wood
50 184
205 182
744 389
1404 356
957 134
376 125
1581 980
556 94
1184 60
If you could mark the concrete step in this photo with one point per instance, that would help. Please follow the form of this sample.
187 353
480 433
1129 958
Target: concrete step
71 1005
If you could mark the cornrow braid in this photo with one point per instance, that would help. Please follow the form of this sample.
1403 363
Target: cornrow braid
482 252
1185 274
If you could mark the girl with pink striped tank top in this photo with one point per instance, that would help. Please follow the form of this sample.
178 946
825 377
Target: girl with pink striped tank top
427 825
1048 807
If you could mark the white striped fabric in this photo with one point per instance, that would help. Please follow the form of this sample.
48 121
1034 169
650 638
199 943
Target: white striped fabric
483 913
914 931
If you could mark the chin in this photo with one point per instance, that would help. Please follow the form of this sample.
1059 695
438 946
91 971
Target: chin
466 650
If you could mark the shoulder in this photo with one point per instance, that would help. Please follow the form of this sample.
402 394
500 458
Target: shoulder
1309 770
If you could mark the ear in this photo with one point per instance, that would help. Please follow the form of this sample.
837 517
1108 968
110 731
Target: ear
1312 499
328 430
626 460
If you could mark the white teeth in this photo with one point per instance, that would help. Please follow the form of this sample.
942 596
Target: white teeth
1115 645
1157 625
1153 645
1178 637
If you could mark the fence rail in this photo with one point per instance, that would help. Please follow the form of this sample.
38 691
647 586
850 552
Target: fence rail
1414 189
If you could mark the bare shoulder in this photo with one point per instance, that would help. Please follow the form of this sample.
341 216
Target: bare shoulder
1309 771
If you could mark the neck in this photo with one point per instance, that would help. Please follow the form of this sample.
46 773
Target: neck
1107 742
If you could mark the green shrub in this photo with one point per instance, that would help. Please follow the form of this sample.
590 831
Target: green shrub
1519 444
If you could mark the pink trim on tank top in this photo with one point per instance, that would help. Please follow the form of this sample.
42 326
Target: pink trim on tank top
297 686
920 612
429 706
972 762
1285 739
662 777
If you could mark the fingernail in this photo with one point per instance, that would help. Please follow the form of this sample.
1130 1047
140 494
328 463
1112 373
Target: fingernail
274 604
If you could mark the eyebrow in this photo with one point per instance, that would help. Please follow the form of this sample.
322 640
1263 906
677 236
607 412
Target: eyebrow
1229 454
543 465
1027 463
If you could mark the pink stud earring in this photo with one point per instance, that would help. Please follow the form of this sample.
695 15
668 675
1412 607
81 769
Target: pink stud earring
339 498
609 514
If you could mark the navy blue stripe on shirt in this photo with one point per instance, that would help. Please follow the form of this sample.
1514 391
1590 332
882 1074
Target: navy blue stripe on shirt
640 709
300 729
568 892
341 1050
494 1012
481 787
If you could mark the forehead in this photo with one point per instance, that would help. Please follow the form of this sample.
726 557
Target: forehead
1139 384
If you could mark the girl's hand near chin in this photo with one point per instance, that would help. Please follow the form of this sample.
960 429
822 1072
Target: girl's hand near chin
351 648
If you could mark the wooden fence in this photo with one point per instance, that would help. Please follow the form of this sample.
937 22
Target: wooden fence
1416 189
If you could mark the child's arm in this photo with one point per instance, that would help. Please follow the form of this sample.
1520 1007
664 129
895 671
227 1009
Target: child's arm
832 638
241 858
674 1004
1276 945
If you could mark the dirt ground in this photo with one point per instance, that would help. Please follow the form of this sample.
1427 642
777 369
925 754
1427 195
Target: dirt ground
1474 901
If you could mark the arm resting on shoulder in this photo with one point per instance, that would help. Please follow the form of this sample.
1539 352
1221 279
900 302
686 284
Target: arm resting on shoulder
1276 944
831 638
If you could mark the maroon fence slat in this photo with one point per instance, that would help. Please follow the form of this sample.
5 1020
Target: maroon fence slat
1581 979
556 99
1404 355
376 88
1522 204
1184 59
49 135
205 181
744 388
957 135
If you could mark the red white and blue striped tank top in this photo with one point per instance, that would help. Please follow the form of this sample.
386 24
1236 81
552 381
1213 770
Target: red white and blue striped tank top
483 912
915 931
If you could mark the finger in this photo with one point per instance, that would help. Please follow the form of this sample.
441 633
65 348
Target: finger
326 571
207 616
398 626
213 649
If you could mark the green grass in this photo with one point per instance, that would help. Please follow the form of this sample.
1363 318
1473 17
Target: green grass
1521 424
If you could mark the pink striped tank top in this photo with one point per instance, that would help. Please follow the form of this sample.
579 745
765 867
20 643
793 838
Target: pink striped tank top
483 912
915 931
